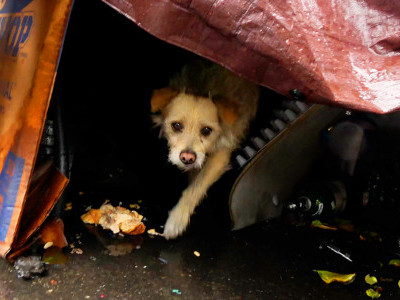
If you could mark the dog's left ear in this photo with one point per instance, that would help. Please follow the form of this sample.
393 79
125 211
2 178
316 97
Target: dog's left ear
227 111
161 98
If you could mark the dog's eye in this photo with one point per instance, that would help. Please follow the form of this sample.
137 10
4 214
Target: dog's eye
206 131
177 126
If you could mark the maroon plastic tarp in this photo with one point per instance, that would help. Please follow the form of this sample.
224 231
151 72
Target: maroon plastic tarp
338 52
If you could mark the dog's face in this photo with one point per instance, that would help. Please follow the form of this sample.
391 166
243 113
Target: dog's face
191 126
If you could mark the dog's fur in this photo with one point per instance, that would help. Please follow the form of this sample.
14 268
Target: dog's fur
202 95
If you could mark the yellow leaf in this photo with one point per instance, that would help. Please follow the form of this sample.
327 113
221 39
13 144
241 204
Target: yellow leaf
319 224
372 293
371 280
329 277
395 262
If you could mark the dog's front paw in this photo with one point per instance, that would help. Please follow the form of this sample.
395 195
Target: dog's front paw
177 222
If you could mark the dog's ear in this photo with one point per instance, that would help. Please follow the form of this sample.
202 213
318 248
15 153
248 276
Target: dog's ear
161 98
227 111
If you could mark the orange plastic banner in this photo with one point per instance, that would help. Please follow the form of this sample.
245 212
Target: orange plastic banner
31 38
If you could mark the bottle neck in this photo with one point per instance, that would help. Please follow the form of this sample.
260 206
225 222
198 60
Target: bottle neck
302 203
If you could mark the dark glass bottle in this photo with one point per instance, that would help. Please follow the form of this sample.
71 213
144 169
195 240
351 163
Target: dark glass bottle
319 200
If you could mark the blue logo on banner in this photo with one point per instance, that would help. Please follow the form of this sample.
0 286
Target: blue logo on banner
10 179
13 6
15 25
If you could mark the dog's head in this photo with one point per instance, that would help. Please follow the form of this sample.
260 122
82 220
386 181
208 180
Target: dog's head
192 125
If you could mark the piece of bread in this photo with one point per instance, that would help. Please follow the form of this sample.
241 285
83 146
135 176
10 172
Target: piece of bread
117 219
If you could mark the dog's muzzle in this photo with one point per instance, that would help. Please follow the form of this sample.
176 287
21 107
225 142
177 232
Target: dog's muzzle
187 157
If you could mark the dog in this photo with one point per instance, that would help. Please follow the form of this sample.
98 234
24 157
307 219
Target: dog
204 113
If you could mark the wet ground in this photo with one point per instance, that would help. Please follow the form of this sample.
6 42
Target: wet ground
229 267
267 261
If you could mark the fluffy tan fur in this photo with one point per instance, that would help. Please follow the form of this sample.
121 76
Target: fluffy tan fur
202 95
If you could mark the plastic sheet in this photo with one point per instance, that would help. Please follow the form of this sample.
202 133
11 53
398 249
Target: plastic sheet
344 53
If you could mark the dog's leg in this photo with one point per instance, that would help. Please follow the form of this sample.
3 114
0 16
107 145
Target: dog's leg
179 216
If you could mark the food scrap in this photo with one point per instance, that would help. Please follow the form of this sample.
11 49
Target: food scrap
76 251
153 232
117 219
196 253
48 245
134 206
68 206
329 277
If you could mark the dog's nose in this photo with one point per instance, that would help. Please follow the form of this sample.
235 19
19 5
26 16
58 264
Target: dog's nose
187 157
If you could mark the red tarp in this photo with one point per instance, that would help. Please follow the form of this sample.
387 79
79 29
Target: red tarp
344 53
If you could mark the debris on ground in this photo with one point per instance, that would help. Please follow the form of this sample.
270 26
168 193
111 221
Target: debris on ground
163 260
345 225
394 262
120 249
48 245
373 293
319 224
329 277
336 250
370 236
196 253
54 282
153 232
29 267
54 256
117 219
68 206
53 232
134 206
76 251
371 280
176 291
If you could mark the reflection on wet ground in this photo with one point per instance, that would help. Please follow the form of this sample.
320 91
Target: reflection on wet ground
262 262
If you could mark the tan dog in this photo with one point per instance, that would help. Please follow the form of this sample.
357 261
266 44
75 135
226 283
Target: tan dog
204 114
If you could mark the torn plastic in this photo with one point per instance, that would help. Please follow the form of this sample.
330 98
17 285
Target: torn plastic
343 53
